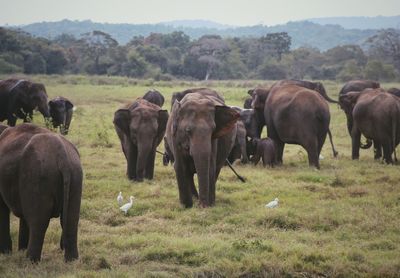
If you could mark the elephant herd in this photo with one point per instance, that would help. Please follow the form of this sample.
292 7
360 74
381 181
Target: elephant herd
201 134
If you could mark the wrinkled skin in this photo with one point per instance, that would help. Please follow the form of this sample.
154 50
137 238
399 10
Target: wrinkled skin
140 127
61 110
376 115
155 97
180 95
315 86
200 133
294 115
18 99
239 150
264 149
359 86
40 178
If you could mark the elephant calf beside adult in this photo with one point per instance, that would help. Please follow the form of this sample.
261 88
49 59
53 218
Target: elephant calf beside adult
294 115
140 127
18 99
40 178
61 110
200 133
376 115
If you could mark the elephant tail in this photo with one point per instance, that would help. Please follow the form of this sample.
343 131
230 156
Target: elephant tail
394 135
367 144
335 153
65 170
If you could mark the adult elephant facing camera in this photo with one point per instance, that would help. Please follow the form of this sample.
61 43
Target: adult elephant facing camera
140 127
18 99
201 132
294 115
40 178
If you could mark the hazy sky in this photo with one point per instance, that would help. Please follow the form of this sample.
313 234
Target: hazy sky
233 12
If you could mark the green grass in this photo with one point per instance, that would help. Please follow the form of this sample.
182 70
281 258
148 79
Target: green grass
342 220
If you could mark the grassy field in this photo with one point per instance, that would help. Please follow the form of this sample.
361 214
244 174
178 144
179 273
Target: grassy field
340 221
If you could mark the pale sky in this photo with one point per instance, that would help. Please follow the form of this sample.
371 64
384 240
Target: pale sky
233 12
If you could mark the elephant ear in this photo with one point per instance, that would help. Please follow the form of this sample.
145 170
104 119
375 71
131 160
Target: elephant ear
162 121
250 92
175 112
122 118
348 101
259 98
225 120
68 105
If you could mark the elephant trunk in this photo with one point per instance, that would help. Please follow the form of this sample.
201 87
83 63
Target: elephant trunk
144 150
367 145
201 154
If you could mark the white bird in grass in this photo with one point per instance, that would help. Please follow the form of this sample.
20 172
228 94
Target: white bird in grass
120 199
127 206
272 204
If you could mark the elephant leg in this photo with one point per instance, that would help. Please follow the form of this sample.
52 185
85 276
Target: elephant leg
387 153
62 228
185 182
377 150
242 143
355 143
132 162
349 123
214 172
23 235
149 172
313 155
280 146
5 237
37 230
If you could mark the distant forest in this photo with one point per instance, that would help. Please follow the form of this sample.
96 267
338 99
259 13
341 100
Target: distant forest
166 56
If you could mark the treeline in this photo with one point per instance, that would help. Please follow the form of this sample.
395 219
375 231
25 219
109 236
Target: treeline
175 55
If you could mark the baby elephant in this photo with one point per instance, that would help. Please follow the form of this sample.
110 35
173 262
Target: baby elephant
265 149
60 110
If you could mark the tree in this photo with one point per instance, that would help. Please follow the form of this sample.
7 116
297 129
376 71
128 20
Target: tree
276 44
385 46
94 45
209 50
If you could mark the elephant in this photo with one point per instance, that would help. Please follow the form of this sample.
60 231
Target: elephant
180 95
2 127
155 97
376 115
394 91
200 132
315 86
239 150
247 103
265 149
294 115
40 178
18 99
61 110
359 86
167 156
140 127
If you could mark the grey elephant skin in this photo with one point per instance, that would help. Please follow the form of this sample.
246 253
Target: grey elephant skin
61 110
200 134
376 115
40 178
264 149
18 99
359 85
294 115
140 127
155 97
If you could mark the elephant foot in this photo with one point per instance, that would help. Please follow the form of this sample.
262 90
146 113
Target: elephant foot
335 154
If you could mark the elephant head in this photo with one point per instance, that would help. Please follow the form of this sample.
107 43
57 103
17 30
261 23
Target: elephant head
31 96
259 96
140 128
61 110
348 101
196 123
